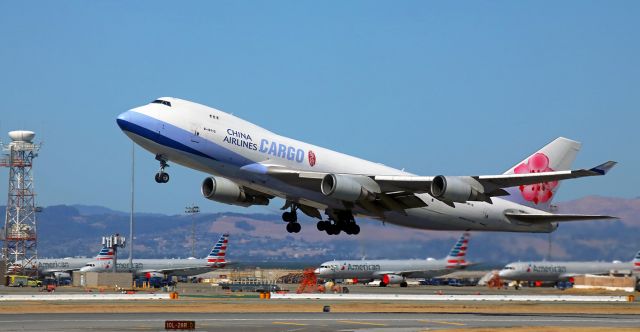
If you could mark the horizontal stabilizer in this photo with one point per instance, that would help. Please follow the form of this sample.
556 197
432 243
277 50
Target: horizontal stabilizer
547 218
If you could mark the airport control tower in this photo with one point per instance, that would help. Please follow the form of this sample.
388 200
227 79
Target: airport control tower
19 250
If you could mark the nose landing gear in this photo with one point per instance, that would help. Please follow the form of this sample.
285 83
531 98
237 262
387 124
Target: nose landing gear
162 176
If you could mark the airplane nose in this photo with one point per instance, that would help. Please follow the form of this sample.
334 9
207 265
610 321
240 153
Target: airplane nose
502 274
124 119
316 271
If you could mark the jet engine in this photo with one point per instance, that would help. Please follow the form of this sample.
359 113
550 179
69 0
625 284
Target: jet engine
61 275
349 188
150 275
223 190
392 279
456 189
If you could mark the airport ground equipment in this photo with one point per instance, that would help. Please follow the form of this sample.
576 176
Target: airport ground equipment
309 282
20 237
22 281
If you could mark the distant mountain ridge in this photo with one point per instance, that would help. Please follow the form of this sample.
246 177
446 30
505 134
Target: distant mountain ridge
76 230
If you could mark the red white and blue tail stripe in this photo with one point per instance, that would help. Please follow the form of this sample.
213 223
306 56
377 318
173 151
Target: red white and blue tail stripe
636 262
455 259
105 254
218 252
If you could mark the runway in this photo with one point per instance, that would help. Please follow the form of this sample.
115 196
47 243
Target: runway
307 321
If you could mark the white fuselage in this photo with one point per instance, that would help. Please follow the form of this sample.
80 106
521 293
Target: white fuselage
52 265
179 267
218 143
560 271
376 269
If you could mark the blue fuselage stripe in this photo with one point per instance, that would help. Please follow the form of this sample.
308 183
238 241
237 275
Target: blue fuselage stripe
158 138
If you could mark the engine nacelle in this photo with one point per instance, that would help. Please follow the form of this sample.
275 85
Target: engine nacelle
349 188
223 190
392 279
150 275
456 189
61 275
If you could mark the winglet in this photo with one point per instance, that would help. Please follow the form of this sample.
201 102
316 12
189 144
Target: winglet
603 169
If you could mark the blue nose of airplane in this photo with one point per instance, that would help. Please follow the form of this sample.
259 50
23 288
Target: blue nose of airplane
124 120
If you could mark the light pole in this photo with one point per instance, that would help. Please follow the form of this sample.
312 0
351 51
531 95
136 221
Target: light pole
133 169
192 210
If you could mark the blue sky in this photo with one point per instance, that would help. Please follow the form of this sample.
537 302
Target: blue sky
433 87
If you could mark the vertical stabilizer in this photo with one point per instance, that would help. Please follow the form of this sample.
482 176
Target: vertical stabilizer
105 253
217 255
555 156
456 257
636 262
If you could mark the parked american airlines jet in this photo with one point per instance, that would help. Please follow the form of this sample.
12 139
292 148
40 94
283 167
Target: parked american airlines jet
63 267
396 271
251 165
563 271
164 267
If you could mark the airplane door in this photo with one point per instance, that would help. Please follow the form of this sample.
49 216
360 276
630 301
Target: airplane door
195 134
160 129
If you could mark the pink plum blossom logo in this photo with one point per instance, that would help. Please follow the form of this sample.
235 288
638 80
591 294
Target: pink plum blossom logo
539 192
312 158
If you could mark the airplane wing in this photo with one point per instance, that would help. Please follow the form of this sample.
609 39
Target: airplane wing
187 270
547 218
178 270
416 273
493 183
397 192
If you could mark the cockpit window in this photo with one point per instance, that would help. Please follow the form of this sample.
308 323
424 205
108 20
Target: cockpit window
160 101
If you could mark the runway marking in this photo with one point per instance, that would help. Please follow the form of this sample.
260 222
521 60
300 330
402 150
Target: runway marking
289 323
361 323
440 322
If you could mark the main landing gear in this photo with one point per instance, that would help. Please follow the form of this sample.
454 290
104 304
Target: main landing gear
162 176
339 221
291 218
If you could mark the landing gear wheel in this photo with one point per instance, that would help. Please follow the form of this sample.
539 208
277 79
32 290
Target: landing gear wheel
340 221
162 177
286 217
293 227
322 225
355 229
290 216
404 284
333 229
382 284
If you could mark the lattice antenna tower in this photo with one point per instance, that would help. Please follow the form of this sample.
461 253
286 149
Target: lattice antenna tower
19 250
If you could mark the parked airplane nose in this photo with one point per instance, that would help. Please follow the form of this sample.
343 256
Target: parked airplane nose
316 271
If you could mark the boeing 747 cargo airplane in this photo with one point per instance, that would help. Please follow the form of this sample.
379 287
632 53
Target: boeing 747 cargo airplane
396 271
165 267
565 271
250 165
